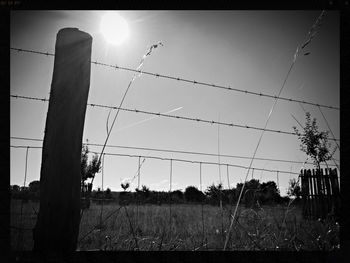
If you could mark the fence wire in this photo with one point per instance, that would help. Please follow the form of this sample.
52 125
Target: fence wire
179 160
171 151
199 83
227 124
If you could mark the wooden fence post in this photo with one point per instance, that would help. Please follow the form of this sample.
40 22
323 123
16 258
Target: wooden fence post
311 191
303 193
57 225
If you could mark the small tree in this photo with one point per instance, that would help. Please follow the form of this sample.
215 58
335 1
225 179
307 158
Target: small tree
268 192
214 192
15 188
294 189
177 196
125 186
192 194
88 169
99 193
314 143
145 191
108 194
34 190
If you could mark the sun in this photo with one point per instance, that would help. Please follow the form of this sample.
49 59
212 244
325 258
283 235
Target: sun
114 28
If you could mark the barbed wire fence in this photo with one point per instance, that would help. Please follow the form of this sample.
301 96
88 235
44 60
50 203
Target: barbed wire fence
199 83
204 242
177 117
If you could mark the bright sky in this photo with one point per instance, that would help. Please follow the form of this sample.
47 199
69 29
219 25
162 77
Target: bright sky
248 50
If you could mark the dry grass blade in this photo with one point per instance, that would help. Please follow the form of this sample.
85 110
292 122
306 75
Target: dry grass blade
131 228
266 123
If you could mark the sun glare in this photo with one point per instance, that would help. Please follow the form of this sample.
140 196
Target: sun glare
114 28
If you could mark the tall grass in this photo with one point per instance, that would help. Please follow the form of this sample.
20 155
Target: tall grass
262 228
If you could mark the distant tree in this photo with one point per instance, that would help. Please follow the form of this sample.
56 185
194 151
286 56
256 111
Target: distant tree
214 193
24 193
145 191
314 143
177 195
15 188
15 191
253 184
34 190
88 169
228 195
268 192
294 189
34 186
192 194
125 186
144 188
250 192
108 194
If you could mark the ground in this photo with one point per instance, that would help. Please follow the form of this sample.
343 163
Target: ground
150 227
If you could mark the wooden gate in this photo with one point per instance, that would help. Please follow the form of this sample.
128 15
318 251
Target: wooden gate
320 193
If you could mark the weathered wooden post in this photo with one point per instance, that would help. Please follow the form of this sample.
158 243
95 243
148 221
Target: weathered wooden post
57 226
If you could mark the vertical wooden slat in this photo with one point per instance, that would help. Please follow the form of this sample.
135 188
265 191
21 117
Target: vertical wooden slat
315 199
320 201
303 193
307 194
333 186
311 190
312 208
328 190
336 192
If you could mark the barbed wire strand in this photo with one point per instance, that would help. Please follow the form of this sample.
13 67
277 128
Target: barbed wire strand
175 151
177 117
201 83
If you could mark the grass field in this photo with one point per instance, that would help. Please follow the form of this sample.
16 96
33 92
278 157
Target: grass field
264 228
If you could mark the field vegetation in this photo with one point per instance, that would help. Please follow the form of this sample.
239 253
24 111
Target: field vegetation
150 227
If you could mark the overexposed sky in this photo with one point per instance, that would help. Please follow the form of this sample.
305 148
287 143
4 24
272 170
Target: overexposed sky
248 50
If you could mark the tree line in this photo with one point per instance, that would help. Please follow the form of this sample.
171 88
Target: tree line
254 193
32 192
